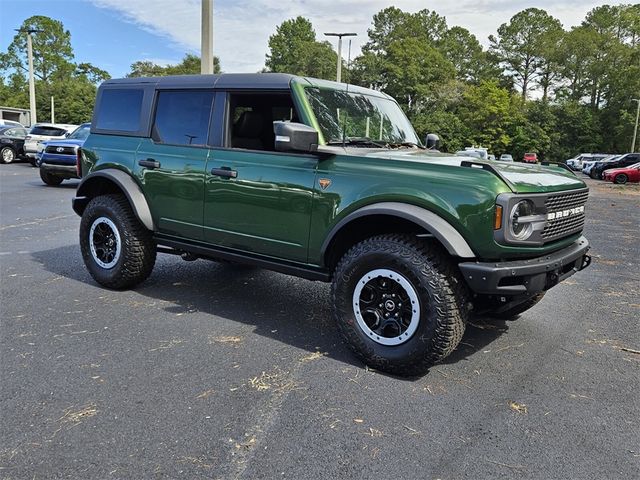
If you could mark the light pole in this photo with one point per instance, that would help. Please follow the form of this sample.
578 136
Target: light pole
206 42
340 35
32 85
635 130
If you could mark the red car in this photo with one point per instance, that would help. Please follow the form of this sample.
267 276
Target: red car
530 158
623 175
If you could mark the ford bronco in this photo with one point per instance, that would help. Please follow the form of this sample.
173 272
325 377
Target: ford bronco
328 182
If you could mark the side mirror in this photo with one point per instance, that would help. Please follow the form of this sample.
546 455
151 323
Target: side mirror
432 141
295 137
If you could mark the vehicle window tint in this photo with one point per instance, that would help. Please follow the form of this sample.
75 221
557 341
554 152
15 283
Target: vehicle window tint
48 131
80 133
120 110
251 119
182 118
16 132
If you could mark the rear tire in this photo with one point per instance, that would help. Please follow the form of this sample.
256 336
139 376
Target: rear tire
621 179
50 179
117 249
371 283
7 155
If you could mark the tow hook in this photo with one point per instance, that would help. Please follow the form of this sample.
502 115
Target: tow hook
586 261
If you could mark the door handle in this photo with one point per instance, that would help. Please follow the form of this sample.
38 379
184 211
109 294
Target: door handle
224 172
149 163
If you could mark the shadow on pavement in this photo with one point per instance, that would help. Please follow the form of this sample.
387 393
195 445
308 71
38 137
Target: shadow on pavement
284 308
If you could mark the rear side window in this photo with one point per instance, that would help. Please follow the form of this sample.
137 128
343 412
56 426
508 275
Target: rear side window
48 131
182 117
120 110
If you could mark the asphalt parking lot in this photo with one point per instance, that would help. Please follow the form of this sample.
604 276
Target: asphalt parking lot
219 371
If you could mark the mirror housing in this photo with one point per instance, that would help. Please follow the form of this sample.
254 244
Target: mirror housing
432 141
297 137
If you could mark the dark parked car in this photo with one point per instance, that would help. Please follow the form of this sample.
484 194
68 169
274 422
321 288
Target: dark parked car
11 143
58 159
624 161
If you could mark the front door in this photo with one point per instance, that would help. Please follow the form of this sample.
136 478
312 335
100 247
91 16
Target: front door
259 202
171 165
256 199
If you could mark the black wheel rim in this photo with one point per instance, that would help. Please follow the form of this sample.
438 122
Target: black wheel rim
386 307
104 242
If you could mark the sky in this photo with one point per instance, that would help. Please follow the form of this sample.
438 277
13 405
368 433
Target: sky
113 34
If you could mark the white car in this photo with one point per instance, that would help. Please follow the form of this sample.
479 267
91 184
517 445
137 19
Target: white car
41 132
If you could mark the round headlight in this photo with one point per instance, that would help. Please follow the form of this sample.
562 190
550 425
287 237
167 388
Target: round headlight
521 230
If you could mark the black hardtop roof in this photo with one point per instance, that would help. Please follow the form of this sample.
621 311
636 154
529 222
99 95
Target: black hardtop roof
259 81
223 80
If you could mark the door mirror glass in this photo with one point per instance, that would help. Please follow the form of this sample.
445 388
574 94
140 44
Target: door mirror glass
295 137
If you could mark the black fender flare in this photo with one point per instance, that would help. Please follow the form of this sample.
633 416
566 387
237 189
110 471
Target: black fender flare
125 183
450 238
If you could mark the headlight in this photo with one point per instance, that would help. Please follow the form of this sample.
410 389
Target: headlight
520 220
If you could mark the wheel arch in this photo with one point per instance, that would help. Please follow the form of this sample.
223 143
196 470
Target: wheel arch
391 217
108 181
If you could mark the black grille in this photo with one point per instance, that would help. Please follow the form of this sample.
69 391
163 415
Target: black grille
568 224
566 201
65 150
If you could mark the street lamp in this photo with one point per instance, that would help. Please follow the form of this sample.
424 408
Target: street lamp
340 35
635 130
206 40
32 85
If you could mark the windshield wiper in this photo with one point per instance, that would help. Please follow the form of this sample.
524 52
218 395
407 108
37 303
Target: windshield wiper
357 141
404 144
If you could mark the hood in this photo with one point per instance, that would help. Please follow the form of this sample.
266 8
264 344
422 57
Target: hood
520 177
64 143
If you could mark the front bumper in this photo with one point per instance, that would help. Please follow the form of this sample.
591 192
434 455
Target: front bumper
67 171
526 276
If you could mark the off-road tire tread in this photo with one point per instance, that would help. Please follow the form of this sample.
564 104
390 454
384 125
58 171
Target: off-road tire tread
446 290
138 247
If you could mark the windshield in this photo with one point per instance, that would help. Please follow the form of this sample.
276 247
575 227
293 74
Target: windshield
343 115
80 133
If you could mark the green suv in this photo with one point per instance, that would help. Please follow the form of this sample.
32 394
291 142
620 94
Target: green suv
328 182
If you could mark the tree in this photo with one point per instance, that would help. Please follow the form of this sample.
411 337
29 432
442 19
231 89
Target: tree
52 52
471 62
56 75
486 110
520 45
294 49
190 65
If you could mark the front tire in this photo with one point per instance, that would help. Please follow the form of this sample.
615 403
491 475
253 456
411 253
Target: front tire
50 179
399 303
7 155
117 249
621 179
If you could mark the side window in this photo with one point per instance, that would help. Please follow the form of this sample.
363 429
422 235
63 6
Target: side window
251 118
120 110
182 117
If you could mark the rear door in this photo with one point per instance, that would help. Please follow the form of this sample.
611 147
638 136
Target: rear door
171 164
